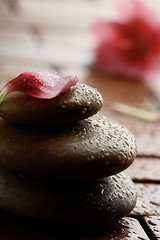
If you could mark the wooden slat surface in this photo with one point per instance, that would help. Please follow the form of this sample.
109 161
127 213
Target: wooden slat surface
126 228
148 201
153 223
55 36
145 170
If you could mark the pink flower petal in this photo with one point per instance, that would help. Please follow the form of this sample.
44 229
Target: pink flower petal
130 46
39 84
128 10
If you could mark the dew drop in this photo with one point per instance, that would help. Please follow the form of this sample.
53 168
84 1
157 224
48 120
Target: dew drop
84 110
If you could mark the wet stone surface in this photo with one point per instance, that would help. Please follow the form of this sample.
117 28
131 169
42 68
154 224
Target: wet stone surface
68 202
77 103
93 148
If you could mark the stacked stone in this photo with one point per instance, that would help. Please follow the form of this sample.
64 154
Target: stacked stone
60 161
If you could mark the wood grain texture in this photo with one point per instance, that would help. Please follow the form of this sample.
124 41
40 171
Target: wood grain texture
153 223
145 170
148 199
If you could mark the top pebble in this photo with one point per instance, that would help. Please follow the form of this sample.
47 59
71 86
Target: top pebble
77 103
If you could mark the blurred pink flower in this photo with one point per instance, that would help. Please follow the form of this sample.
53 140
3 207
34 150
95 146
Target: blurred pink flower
39 84
130 46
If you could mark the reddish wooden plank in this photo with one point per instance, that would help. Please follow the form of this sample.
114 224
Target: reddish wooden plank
145 169
16 228
148 199
153 223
